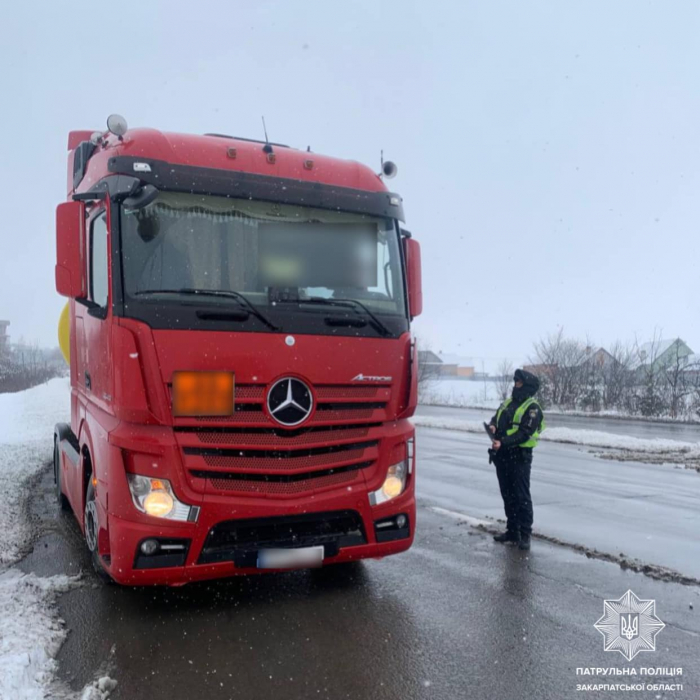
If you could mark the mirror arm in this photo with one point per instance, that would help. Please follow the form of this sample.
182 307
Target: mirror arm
116 186
89 196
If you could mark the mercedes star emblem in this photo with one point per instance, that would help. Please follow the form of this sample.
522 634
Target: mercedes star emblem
289 401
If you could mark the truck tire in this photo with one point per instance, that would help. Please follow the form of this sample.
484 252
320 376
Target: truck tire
61 499
92 527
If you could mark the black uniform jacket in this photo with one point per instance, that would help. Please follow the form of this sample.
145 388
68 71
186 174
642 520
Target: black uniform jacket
528 425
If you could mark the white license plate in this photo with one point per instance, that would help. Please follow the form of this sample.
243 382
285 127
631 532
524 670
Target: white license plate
303 557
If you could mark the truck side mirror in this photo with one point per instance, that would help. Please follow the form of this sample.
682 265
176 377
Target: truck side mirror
413 271
70 243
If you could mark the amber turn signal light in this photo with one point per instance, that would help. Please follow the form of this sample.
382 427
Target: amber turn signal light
203 393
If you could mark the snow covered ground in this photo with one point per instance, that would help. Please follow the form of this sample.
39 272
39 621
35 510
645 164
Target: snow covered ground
484 394
31 632
461 394
26 442
591 438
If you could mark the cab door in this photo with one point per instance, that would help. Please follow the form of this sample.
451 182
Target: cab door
97 321
95 366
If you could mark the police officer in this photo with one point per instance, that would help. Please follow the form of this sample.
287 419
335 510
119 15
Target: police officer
516 428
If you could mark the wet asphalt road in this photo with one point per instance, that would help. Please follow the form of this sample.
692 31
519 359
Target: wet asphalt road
634 428
648 511
457 616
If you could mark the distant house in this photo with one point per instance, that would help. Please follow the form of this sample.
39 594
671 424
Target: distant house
457 366
430 364
692 366
540 370
4 337
445 365
661 355
600 358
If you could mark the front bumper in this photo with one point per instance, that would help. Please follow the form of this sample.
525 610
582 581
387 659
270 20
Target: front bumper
126 528
125 537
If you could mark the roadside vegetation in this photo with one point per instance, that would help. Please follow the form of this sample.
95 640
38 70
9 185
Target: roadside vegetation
24 366
656 379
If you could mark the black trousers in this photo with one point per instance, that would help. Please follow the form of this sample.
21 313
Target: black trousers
513 471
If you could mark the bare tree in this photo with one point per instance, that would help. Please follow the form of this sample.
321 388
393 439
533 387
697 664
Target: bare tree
428 372
693 373
677 381
563 369
649 380
504 379
23 367
617 377
590 379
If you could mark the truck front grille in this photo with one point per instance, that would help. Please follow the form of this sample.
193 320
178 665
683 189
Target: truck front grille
251 454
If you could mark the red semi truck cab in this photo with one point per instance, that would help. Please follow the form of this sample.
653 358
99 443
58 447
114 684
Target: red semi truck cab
241 363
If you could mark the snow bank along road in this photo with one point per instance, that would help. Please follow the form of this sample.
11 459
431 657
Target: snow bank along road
30 631
648 443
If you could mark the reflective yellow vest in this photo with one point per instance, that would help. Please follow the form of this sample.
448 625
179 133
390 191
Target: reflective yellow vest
519 413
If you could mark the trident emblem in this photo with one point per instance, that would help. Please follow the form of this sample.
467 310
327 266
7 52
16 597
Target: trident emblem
629 626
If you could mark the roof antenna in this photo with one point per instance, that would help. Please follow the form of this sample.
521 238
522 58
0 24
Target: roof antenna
267 148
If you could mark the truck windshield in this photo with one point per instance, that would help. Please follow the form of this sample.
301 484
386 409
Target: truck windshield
268 252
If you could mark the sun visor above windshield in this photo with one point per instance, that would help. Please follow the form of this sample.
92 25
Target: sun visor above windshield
232 183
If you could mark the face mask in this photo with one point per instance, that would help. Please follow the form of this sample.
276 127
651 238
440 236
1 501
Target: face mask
519 393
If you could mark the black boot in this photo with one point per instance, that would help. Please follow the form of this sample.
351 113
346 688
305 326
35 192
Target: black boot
524 542
507 536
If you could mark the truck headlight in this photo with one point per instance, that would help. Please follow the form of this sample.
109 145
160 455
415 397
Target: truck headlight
155 497
393 485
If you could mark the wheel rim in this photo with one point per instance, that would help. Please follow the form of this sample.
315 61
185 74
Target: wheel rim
91 525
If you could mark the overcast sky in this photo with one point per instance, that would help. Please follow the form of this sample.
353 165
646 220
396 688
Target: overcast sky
548 151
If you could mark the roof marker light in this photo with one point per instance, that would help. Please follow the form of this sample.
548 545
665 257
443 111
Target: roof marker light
117 125
389 169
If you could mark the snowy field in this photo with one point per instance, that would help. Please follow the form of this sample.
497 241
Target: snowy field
461 394
484 394
31 632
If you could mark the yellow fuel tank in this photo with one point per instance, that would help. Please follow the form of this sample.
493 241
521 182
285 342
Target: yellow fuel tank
64 333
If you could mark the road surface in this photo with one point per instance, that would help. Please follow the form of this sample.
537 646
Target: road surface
456 616
650 512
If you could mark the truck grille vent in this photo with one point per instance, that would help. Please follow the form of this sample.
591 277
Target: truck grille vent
264 437
281 463
284 488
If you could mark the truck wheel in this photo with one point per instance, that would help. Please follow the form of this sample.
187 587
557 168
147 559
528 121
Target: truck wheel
92 528
63 503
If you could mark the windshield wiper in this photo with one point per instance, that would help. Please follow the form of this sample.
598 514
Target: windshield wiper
225 294
352 304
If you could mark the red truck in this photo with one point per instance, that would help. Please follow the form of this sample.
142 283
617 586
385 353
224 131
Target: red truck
241 363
